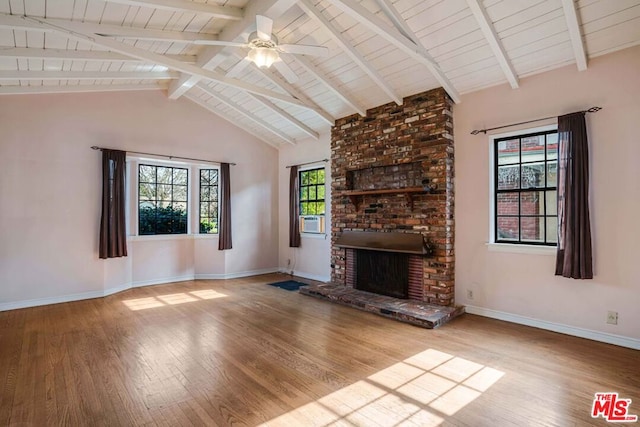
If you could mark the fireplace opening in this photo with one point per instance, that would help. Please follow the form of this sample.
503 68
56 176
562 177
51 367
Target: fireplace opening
385 273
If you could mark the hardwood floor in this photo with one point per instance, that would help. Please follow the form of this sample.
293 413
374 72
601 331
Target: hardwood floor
238 352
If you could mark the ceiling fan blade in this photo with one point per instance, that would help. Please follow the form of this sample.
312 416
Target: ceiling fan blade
303 49
264 26
219 43
286 71
239 67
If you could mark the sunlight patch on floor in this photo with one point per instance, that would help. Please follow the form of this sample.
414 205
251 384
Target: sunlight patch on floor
422 390
171 299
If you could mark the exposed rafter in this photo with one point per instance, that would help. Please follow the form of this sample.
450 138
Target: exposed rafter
42 24
340 93
416 51
246 113
489 32
347 48
221 12
209 58
226 117
86 75
9 21
33 90
77 55
288 117
277 80
573 25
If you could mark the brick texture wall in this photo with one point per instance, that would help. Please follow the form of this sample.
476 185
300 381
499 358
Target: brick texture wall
393 147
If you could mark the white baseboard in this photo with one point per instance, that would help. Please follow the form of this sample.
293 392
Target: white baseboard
152 282
556 327
316 277
237 275
110 291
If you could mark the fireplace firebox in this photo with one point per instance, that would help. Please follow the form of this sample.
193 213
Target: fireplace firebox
384 273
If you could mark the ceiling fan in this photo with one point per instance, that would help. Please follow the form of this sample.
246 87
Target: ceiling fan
264 50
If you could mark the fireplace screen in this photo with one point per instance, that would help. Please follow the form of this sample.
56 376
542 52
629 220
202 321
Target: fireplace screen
385 273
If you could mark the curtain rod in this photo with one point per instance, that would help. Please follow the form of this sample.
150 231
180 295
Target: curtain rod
164 155
309 163
477 131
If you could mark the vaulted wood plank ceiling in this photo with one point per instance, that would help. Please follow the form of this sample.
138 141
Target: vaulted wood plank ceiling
379 51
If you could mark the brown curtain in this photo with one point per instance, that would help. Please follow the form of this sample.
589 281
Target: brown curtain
113 234
224 239
294 208
574 230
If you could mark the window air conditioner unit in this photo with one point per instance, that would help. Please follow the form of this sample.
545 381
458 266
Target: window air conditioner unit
312 224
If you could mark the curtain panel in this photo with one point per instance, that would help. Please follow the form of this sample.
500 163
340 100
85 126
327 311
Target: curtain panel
224 238
574 256
294 208
113 234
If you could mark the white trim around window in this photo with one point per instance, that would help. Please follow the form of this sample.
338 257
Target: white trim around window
193 202
492 246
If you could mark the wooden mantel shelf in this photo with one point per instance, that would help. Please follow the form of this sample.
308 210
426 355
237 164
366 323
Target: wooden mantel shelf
407 191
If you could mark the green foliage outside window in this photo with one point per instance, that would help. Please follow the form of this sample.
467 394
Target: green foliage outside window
162 200
312 192
209 201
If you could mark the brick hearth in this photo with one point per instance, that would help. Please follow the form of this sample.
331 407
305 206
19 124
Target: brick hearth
398 147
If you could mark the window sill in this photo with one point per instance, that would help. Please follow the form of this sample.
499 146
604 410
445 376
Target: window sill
522 249
159 237
321 236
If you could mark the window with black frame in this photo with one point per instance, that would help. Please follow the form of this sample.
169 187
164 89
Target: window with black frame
525 180
162 200
312 200
208 201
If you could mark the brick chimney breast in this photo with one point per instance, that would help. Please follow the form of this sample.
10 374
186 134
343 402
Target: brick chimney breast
399 158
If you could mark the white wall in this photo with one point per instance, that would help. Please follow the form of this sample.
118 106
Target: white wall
313 258
50 194
522 287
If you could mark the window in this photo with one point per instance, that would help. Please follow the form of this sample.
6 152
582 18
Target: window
312 192
208 201
525 189
162 200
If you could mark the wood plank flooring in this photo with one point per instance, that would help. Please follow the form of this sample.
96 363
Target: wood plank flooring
237 352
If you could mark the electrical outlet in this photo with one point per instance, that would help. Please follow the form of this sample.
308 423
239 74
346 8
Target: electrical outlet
612 317
469 294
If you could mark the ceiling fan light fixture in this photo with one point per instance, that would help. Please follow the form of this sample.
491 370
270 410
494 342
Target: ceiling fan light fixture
263 57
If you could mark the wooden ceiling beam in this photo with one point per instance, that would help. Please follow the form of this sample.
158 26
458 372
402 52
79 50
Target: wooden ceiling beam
573 25
234 31
244 112
409 47
215 11
490 34
9 21
348 48
77 55
285 115
217 112
45 89
43 24
338 92
86 75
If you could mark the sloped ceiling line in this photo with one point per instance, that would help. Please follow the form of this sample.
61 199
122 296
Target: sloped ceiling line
489 32
142 54
244 112
350 50
573 24
209 57
418 52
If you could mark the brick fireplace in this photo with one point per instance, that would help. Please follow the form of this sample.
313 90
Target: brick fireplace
392 172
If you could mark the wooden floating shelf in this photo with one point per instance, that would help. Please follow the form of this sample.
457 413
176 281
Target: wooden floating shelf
407 191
